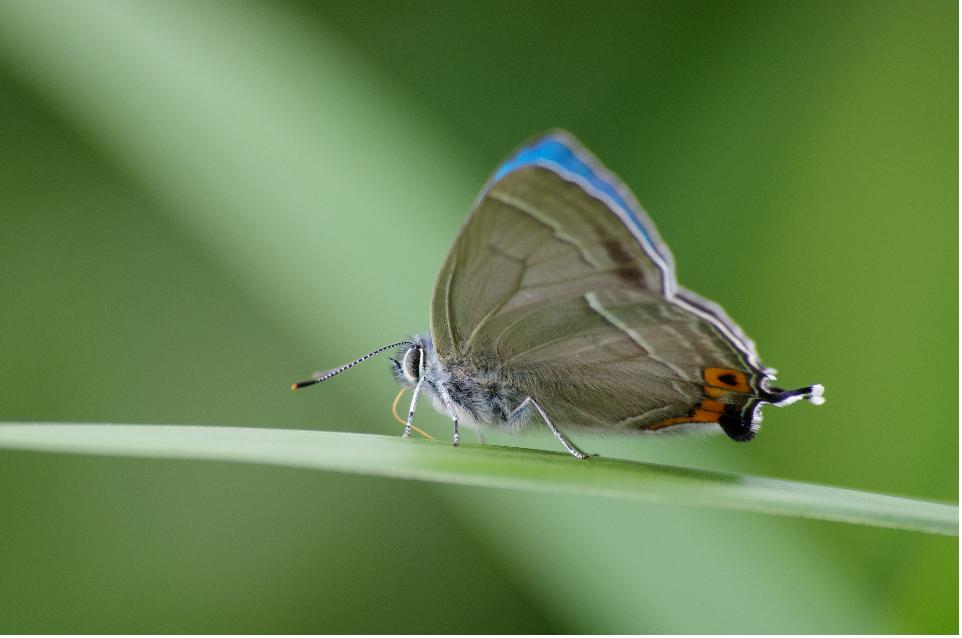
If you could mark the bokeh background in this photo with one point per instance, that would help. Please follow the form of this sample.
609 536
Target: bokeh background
201 202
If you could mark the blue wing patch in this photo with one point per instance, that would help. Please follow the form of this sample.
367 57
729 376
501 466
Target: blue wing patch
561 153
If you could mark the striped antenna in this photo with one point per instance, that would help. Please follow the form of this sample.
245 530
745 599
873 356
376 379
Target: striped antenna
336 371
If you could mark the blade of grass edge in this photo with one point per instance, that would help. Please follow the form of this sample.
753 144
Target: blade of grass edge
487 466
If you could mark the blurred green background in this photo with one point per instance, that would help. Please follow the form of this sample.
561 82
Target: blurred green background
201 202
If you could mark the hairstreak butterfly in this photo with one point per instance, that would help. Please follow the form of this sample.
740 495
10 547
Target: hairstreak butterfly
558 303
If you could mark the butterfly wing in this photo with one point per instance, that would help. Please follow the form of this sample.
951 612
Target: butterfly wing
559 285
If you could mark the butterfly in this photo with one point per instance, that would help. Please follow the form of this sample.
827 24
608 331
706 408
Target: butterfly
558 303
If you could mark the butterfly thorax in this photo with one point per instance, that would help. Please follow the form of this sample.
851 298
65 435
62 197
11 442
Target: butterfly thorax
478 394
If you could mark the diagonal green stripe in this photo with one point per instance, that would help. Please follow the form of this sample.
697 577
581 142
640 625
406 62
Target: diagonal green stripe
488 466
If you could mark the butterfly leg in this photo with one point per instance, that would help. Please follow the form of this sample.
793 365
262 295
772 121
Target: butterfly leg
568 445
446 397
414 401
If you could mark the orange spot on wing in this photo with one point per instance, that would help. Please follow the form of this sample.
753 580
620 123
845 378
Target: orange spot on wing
718 383
705 416
712 406
727 379
707 411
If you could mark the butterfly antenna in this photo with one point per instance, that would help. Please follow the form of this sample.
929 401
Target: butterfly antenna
324 376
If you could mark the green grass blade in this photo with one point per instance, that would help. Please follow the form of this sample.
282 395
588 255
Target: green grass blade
488 466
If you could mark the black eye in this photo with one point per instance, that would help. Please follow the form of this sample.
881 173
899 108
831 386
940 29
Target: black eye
411 364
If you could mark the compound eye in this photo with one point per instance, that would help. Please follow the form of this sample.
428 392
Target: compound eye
411 364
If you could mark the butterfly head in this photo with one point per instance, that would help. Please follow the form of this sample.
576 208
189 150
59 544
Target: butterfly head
412 360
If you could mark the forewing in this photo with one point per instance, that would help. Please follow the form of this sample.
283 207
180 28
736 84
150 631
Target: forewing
559 284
